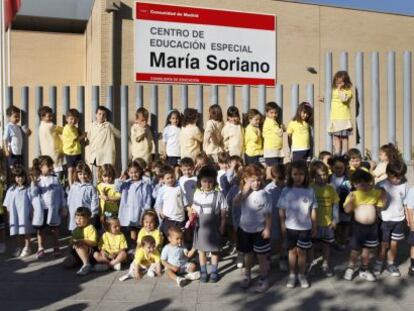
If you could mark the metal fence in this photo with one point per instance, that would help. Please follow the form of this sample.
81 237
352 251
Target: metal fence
127 103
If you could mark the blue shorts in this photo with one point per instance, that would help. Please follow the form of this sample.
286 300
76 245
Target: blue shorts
301 155
298 238
252 242
364 236
72 160
392 230
273 161
326 234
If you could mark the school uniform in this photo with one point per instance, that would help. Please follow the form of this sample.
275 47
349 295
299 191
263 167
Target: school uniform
101 148
51 143
82 195
141 144
272 142
171 139
274 192
212 140
253 144
188 186
71 145
301 139
13 135
233 139
190 141
340 120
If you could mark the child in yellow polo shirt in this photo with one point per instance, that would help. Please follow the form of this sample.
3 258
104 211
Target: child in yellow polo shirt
113 246
253 142
108 197
272 136
299 133
150 227
341 126
71 142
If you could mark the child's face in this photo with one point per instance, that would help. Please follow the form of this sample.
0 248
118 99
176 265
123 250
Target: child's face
107 179
187 170
169 179
304 115
14 118
200 163
115 227
223 166
207 183
355 162
149 223
383 156
149 248
101 116
321 177
363 186
234 120
272 114
134 174
255 121
19 180
176 239
174 119
339 82
140 120
81 221
47 117
298 177
255 182
395 180
83 177
45 169
71 120
339 168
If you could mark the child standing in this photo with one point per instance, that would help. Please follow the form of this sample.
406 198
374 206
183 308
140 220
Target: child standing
190 135
52 202
355 160
392 217
150 227
84 240
364 203
171 137
174 258
108 196
213 141
341 126
141 136
101 137
233 133
49 138
210 208
297 209
253 142
71 142
188 182
19 207
135 198
328 211
82 193
112 247
387 154
255 225
272 136
299 133
13 137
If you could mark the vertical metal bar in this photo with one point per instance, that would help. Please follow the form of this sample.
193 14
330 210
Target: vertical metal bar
310 94
169 97
262 98
124 127
110 102
391 98
53 101
246 98
95 101
294 99
407 106
360 100
38 104
184 97
214 95
154 114
66 102
343 61
81 107
199 104
328 96
279 100
9 97
24 107
375 102
230 95
139 96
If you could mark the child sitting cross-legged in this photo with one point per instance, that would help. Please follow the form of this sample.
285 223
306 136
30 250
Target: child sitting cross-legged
112 247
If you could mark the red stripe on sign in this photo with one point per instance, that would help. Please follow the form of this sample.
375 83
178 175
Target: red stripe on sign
172 78
180 14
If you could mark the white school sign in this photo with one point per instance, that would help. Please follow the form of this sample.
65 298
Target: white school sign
177 44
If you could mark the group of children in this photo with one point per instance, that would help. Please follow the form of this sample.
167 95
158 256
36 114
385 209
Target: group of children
159 214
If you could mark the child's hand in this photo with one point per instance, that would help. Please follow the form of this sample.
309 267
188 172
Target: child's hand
124 175
266 234
333 225
63 211
28 132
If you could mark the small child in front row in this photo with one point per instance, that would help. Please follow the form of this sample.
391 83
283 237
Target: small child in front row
364 202
297 209
150 227
147 259
233 133
255 225
112 247
210 207
174 257
272 136
393 224
84 240
253 141
141 136
108 196
299 133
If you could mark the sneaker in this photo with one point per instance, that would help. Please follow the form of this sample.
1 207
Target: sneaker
2 248
349 274
367 275
214 277
245 284
411 271
151 273
180 281
100 267
40 253
327 270
26 251
283 265
378 268
17 252
125 277
84 270
117 267
192 276
203 277
240 261
291 281
303 281
393 270
262 285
